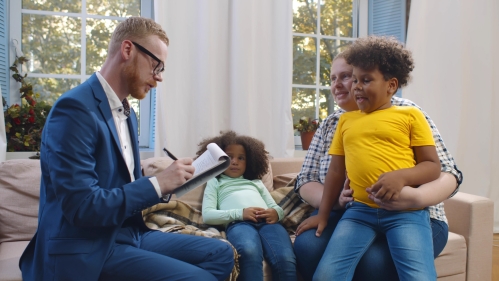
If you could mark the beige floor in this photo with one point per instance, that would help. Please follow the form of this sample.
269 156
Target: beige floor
495 258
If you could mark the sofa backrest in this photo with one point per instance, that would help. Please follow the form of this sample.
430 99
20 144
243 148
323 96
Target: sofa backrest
20 191
19 198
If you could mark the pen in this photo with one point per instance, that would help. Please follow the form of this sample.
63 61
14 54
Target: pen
169 154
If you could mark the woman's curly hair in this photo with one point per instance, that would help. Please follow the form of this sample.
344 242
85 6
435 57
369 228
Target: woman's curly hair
257 164
385 53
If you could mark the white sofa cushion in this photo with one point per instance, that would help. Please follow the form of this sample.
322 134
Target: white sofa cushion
452 260
10 252
19 198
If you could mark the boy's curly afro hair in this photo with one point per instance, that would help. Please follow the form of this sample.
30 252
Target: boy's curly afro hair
257 164
385 53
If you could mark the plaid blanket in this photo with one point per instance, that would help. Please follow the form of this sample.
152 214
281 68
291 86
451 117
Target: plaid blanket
295 211
179 217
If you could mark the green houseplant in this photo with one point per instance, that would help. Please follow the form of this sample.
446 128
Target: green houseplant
306 126
24 122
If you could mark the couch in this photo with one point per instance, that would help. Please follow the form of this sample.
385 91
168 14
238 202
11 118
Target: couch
467 256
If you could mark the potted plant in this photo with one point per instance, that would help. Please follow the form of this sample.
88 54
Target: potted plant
24 123
307 126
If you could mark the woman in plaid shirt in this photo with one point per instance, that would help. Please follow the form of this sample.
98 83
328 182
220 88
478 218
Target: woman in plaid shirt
376 264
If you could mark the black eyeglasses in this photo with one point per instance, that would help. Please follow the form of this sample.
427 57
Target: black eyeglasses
161 65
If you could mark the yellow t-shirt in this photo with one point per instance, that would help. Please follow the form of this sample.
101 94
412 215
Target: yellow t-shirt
379 142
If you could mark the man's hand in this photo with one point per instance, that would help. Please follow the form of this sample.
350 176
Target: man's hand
250 214
312 222
175 175
269 215
387 187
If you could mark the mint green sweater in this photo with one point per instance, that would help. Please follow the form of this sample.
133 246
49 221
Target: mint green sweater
225 198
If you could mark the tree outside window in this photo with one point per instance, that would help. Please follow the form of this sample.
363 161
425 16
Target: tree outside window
66 41
321 29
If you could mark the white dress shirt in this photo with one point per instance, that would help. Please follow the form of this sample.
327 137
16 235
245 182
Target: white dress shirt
121 124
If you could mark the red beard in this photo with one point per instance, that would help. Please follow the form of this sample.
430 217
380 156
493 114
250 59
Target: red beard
132 78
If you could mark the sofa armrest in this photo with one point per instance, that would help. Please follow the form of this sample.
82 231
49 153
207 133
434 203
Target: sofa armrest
281 166
472 217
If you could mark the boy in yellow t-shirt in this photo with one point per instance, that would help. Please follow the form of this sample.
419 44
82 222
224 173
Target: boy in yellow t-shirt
385 148
379 142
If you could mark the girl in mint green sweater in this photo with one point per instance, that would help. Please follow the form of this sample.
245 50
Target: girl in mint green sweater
238 200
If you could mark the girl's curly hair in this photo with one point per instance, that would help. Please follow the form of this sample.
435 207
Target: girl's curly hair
257 164
385 53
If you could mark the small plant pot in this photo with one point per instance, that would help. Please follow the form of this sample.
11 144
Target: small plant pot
306 139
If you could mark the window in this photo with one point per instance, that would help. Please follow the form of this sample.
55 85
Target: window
4 54
321 29
389 17
66 42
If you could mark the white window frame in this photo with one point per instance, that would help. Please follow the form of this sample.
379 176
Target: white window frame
360 29
15 29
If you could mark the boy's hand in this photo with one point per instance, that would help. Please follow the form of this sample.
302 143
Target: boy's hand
387 187
250 214
270 215
407 199
312 222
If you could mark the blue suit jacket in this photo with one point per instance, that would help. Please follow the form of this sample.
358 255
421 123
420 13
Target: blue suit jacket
86 193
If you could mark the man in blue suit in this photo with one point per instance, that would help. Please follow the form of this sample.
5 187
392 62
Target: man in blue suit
91 196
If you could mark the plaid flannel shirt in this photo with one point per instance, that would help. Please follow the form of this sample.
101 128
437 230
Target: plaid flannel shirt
317 160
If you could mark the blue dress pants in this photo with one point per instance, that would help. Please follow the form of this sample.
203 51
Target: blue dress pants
155 255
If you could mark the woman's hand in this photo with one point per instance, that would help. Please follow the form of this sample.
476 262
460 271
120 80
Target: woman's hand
312 222
270 215
346 196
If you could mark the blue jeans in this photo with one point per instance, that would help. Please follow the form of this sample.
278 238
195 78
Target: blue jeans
408 234
256 241
155 255
376 264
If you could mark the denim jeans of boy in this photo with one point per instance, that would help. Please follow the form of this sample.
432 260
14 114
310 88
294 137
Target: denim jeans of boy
375 264
256 241
408 234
